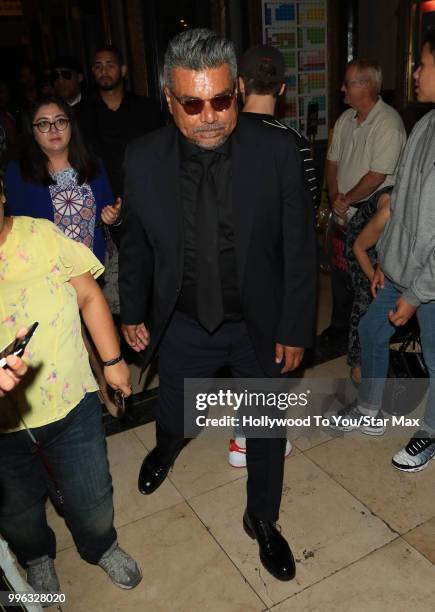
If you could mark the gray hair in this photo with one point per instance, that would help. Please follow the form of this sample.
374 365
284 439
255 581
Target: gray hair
198 49
368 70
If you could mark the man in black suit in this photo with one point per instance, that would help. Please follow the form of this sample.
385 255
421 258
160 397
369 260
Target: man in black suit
217 262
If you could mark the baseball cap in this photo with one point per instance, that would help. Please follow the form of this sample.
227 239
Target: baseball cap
69 62
263 63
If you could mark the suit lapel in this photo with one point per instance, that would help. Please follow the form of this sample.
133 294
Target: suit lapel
165 180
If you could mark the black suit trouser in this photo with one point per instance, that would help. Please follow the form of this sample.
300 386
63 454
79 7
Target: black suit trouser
187 350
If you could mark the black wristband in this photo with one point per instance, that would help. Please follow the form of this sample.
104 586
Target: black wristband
112 361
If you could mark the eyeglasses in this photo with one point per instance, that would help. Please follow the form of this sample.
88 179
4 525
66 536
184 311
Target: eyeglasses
65 74
45 126
194 106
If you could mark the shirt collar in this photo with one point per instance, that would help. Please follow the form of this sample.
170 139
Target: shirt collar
377 108
189 150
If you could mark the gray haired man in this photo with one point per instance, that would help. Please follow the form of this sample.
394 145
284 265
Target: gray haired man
363 158
217 263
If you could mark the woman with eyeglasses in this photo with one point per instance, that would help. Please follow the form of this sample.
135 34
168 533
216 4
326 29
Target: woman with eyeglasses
57 178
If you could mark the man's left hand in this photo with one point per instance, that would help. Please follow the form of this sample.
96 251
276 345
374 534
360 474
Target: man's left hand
292 354
111 212
403 312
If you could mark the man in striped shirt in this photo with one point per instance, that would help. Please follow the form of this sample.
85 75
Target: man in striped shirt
261 81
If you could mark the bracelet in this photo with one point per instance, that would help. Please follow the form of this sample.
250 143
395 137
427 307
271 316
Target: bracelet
112 361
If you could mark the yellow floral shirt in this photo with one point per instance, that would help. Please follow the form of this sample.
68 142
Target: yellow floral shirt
36 262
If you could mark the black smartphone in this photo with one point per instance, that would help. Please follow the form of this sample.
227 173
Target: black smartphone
17 346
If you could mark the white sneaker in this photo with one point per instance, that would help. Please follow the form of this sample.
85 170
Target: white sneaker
237 453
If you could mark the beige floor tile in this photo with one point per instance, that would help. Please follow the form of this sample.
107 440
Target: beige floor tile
363 466
395 578
184 571
126 454
423 539
338 367
202 466
304 443
327 528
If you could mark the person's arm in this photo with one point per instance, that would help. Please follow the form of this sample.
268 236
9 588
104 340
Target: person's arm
370 236
99 322
14 370
296 326
136 258
365 187
331 180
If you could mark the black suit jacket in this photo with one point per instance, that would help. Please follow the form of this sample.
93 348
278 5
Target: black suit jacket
274 237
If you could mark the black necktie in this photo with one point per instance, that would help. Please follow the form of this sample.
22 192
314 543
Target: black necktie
209 289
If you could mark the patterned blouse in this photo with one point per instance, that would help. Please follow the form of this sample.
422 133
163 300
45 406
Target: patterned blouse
74 207
36 263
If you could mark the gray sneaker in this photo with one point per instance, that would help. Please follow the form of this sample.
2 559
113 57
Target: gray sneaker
41 575
416 454
120 567
350 418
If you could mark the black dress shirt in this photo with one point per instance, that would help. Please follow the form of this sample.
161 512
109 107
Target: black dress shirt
109 132
190 176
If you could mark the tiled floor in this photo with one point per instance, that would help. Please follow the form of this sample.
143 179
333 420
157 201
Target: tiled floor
363 534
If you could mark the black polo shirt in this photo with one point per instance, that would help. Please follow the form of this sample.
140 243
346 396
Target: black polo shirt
109 131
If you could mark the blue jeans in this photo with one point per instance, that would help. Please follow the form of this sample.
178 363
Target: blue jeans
75 448
375 331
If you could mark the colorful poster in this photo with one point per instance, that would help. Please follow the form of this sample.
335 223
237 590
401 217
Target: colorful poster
299 29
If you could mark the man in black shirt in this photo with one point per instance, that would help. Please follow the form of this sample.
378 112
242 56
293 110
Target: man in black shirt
115 116
217 262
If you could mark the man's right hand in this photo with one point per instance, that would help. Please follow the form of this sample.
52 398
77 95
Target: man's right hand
339 205
136 336
378 281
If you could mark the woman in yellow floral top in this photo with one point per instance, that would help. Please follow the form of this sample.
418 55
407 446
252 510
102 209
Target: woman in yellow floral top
46 277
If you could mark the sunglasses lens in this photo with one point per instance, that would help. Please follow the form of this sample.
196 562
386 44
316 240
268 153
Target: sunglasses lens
66 74
193 107
221 103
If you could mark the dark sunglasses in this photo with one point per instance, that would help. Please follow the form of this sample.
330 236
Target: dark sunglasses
67 75
194 106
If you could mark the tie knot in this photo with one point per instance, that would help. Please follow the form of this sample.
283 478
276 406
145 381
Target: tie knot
206 159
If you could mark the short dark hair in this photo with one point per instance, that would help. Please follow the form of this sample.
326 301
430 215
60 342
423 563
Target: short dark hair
111 49
34 162
259 88
429 39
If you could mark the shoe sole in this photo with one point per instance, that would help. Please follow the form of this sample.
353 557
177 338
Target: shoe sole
251 534
417 468
125 587
365 431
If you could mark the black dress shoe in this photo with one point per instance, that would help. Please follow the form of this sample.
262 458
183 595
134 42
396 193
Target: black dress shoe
155 469
275 553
